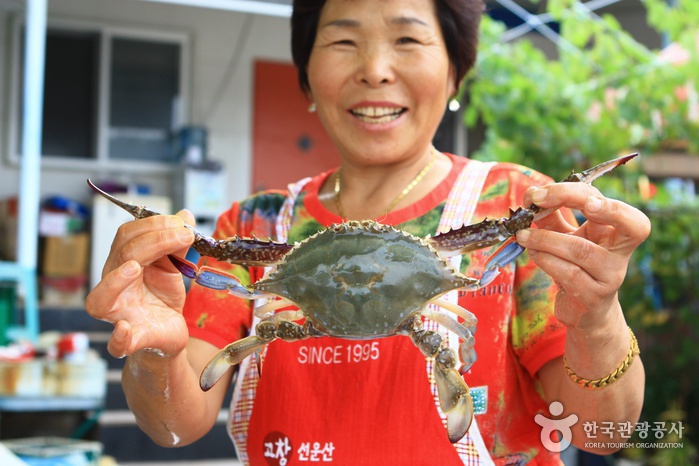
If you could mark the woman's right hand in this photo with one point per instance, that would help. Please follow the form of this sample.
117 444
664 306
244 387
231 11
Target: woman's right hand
141 292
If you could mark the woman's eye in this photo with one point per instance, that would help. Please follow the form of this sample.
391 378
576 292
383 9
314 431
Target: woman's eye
407 40
343 42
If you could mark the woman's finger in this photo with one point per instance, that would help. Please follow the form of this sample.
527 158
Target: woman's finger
149 246
556 195
187 217
152 245
119 343
630 226
568 257
102 302
139 236
555 220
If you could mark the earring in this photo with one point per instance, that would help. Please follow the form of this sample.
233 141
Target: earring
454 104
312 107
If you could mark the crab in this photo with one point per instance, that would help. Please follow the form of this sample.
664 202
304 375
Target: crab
363 280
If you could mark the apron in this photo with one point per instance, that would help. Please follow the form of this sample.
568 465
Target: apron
297 443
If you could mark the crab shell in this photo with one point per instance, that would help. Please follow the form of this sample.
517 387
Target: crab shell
362 279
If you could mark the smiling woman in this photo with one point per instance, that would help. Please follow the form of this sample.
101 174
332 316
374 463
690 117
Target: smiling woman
379 74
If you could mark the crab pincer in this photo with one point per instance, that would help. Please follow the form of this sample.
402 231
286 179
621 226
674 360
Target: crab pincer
491 232
236 250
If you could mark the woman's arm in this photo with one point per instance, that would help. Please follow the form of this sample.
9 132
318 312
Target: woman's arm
142 294
588 263
163 393
618 402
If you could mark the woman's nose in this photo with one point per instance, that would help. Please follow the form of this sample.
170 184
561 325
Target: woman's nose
376 66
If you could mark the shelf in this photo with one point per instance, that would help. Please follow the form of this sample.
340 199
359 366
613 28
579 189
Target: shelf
49 403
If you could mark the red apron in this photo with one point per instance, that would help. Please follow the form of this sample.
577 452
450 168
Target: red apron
355 402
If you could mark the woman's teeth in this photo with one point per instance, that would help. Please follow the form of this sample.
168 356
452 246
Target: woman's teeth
377 115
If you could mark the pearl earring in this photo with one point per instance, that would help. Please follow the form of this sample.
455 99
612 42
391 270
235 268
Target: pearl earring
312 107
454 104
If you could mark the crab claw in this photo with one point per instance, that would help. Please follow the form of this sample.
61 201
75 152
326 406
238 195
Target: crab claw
505 254
213 279
591 174
455 401
229 356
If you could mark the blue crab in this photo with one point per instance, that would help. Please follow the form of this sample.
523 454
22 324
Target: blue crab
364 280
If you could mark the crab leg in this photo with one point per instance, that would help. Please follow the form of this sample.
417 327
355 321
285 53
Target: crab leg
229 356
267 330
454 396
453 393
467 352
452 324
470 320
268 309
481 235
236 250
490 232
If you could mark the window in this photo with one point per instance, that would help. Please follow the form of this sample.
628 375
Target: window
112 96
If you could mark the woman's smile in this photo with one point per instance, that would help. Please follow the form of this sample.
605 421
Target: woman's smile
377 112
377 115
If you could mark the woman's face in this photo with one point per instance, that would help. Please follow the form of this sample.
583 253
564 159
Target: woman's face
380 76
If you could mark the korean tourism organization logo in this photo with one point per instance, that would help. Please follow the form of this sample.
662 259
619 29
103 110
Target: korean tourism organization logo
606 434
562 426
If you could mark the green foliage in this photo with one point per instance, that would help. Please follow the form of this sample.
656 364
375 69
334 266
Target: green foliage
604 95
661 301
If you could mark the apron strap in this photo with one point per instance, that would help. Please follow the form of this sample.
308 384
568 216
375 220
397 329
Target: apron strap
248 373
460 206
463 197
287 211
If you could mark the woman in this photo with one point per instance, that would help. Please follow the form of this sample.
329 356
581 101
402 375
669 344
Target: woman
379 75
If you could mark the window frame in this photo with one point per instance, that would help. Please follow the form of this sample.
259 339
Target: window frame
106 32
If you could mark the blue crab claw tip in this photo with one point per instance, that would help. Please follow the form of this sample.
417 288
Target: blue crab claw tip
186 268
489 276
505 254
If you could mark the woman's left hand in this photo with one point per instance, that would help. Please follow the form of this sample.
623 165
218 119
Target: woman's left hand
587 262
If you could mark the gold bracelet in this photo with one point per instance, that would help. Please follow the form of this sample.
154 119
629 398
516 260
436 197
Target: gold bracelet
615 374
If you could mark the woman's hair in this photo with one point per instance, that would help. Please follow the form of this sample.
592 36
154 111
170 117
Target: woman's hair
459 20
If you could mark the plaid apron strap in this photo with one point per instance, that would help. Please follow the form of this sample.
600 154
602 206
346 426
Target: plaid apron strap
458 211
248 374
287 211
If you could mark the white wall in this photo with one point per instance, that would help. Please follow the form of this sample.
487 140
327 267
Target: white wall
213 34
